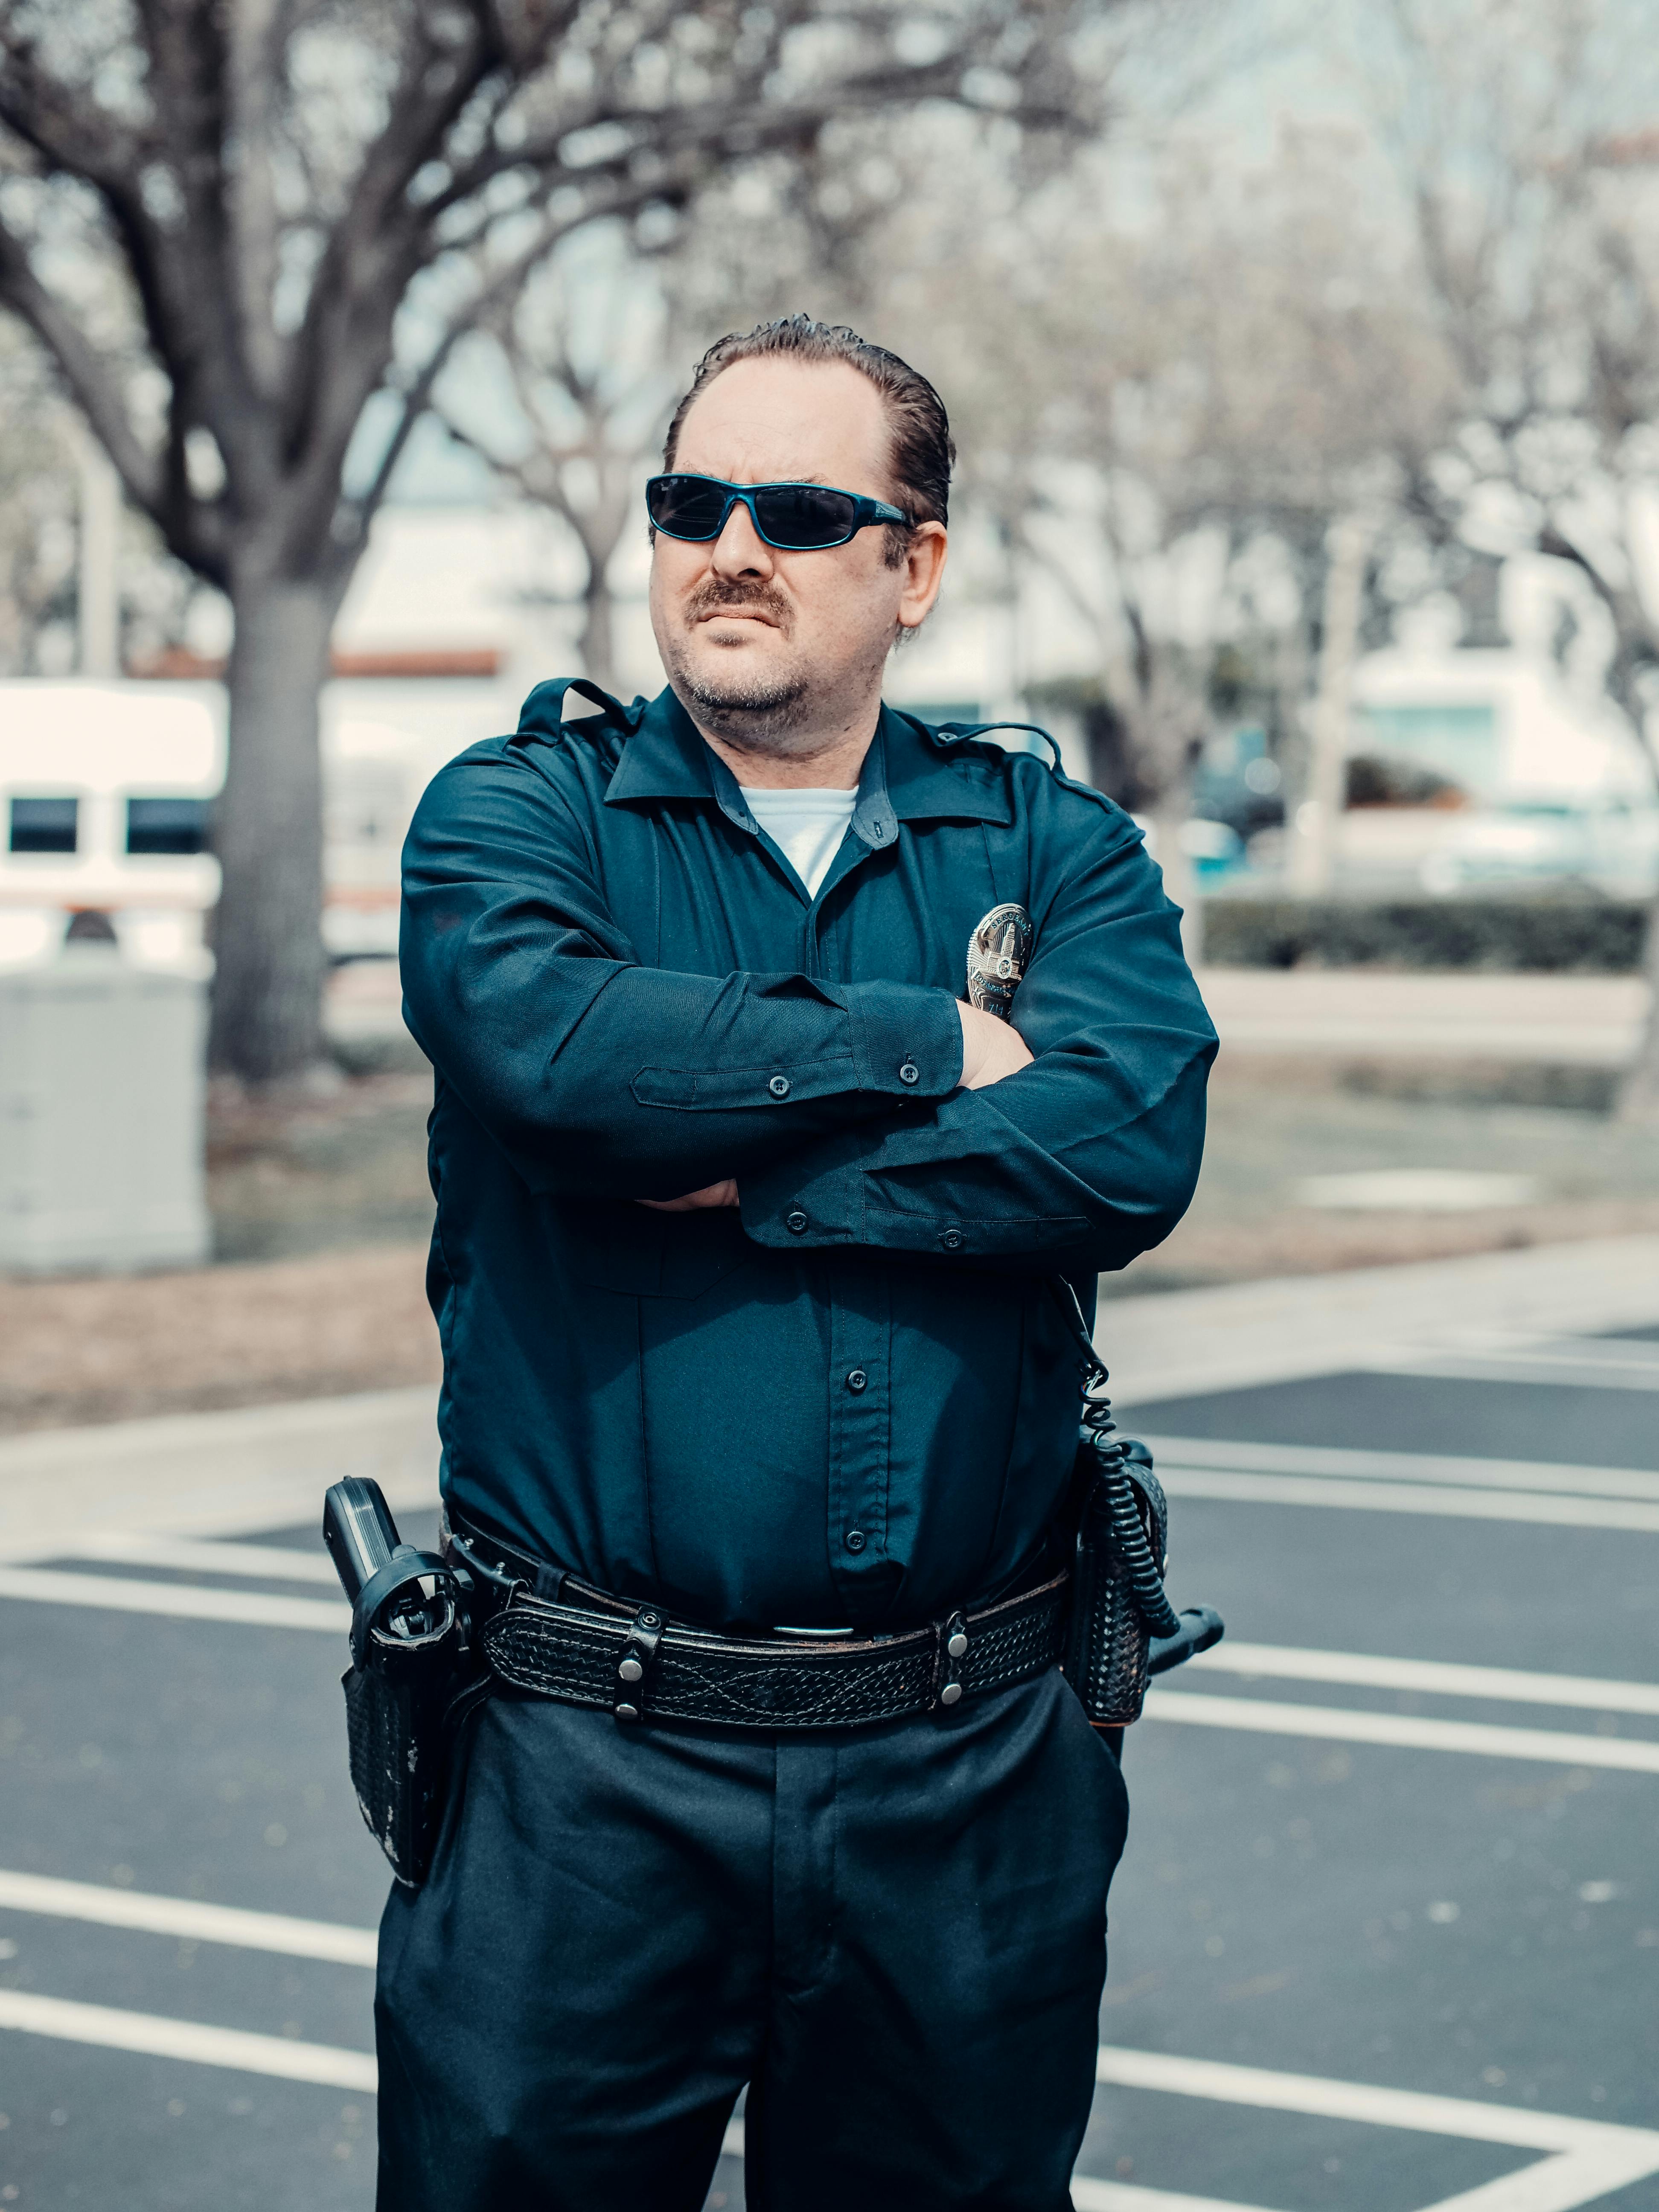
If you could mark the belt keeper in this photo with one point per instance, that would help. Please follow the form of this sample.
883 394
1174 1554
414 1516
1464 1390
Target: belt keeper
953 1650
635 1662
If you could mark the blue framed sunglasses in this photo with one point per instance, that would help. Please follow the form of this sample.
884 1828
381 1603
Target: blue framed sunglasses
794 518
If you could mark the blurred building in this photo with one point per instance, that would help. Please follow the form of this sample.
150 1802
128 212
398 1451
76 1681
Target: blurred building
462 604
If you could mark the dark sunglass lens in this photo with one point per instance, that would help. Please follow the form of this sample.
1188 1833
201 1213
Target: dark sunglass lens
686 506
802 516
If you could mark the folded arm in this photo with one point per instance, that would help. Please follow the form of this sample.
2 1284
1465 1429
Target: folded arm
1080 1160
604 1078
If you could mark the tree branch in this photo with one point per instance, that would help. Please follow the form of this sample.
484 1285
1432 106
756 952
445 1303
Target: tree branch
83 370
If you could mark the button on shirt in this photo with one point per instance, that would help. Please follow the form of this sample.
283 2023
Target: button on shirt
626 992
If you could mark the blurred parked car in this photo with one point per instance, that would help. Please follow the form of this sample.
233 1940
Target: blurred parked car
1612 845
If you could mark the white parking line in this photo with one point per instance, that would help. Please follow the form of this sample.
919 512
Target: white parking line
1087 2195
1557 1374
155 2036
179 1601
277 1563
1124 2196
187 1918
1588 1693
1392 1496
1583 1365
1256 1716
1591 2157
1460 1472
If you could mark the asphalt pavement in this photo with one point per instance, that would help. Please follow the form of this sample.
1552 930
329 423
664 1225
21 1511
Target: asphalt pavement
1385 1938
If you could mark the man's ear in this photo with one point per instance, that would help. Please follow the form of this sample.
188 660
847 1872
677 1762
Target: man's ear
924 572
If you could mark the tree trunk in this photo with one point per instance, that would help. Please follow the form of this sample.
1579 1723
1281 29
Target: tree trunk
1639 1092
1180 876
596 645
267 997
1318 822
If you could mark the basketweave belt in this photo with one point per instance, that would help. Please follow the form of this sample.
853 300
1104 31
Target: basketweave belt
587 1648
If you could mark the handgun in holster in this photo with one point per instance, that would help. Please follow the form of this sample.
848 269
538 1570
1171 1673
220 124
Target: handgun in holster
414 1674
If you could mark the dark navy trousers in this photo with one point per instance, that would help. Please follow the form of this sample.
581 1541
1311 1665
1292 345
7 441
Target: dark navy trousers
894 1935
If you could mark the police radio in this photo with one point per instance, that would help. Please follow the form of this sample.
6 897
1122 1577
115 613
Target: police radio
1121 1629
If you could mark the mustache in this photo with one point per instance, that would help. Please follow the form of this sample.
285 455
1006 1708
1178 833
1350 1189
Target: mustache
712 597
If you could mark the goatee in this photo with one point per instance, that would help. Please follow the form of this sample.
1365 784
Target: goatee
753 715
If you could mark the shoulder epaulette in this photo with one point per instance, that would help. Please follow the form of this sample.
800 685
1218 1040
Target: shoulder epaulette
946 734
542 718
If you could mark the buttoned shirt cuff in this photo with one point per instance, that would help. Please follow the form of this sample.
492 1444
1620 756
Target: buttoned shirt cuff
783 1208
907 1040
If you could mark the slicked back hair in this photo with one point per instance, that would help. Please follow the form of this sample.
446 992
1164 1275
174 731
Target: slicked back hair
921 450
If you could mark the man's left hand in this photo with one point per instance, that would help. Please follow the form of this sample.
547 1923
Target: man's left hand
713 1193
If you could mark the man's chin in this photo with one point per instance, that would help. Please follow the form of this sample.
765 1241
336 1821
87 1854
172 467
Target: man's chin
739 698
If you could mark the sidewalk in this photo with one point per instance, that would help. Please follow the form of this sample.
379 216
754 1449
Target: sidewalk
1571 1020
225 1473
1587 1021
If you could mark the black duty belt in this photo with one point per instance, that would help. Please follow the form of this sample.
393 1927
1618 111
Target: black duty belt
545 1633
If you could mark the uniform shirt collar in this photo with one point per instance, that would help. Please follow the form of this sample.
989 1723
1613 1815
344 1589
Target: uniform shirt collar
909 774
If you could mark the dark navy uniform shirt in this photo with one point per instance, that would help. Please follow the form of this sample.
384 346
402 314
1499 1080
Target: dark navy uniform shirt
851 1400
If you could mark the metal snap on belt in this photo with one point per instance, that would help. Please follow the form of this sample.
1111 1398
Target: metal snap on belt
637 1653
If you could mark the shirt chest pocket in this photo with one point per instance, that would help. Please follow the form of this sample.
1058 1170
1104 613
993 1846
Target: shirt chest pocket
641 1254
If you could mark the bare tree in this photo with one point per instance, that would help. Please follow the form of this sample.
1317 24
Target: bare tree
576 407
301 207
1536 210
1167 395
37 509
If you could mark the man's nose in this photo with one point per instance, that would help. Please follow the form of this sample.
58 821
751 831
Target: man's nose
740 550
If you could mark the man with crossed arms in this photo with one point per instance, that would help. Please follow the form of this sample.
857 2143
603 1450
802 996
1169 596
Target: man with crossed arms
743 1222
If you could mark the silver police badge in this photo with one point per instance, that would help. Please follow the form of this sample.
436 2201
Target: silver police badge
998 953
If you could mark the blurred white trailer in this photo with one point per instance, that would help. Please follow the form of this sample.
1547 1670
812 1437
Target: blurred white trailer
105 792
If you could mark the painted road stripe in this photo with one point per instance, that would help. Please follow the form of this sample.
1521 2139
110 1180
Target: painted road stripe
1356 1497
1489 1367
1460 1474
1591 2157
1340 1725
1588 2158
186 1917
256 1562
1124 2196
1588 1693
1415 2111
179 1601
156 2037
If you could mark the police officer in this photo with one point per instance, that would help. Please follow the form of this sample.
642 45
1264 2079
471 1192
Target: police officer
758 1414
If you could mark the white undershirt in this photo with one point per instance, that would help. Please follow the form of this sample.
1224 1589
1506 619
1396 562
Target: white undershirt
807 827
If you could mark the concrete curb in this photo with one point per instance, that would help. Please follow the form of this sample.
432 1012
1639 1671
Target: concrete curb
227 1473
1283 1329
263 1467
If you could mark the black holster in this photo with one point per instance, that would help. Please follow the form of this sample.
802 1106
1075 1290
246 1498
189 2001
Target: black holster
405 1707
415 1673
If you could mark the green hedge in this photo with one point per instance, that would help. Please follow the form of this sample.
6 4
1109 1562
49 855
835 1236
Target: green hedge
1602 937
